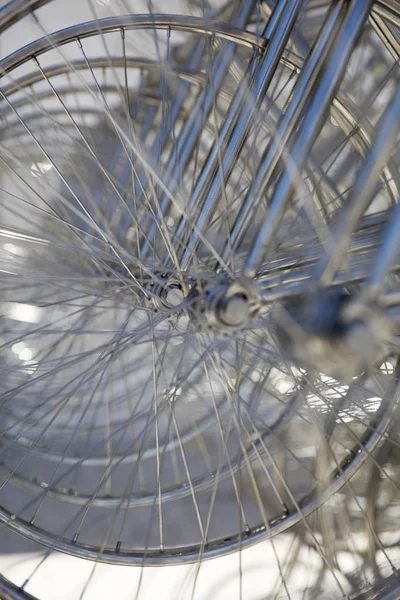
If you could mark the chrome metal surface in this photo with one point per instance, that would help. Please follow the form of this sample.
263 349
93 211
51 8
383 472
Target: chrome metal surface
357 13
200 306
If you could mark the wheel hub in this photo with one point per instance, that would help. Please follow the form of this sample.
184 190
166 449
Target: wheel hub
337 334
218 305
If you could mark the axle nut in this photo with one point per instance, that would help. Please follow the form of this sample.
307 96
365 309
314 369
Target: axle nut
234 311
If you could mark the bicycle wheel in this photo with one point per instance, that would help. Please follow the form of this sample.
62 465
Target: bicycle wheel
133 182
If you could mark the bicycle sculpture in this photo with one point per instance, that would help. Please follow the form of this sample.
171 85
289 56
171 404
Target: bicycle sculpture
199 243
